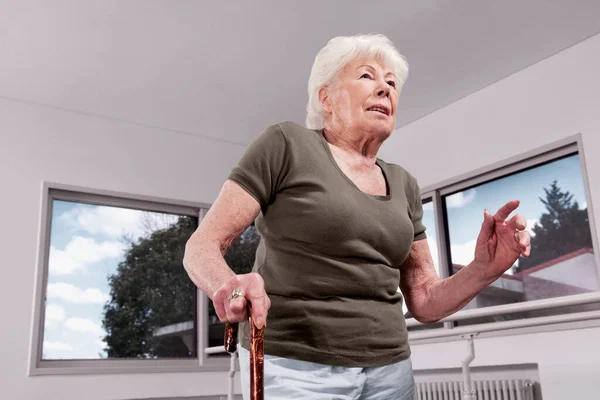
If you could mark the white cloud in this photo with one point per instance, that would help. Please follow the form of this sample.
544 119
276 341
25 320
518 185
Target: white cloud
115 222
461 199
56 346
109 221
54 314
530 224
75 345
463 254
81 252
73 294
85 325
583 205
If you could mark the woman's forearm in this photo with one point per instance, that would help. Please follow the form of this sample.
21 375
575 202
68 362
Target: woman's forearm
205 265
229 216
444 297
498 246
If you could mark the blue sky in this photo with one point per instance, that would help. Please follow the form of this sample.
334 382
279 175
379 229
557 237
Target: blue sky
465 209
86 245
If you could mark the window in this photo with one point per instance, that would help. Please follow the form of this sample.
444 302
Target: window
562 258
113 285
116 286
560 278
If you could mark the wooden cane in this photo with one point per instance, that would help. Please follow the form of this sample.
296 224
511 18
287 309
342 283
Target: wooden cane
256 353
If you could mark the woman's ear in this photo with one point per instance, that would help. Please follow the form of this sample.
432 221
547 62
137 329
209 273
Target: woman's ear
324 99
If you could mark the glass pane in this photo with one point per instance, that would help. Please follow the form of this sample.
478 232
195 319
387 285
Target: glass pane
429 221
553 199
240 258
116 284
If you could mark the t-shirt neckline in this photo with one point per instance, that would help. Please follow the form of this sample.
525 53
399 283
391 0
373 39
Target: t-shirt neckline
337 167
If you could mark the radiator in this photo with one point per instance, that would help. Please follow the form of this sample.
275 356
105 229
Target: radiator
513 389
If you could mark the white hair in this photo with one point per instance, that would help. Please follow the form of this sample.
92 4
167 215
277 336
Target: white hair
336 54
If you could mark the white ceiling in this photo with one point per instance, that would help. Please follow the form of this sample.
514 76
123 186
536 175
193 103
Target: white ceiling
226 69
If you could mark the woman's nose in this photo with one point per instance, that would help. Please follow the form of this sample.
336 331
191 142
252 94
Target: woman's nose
383 92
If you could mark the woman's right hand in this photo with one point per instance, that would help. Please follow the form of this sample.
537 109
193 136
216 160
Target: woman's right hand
252 290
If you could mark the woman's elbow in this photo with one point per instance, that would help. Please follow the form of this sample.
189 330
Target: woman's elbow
191 252
425 319
422 315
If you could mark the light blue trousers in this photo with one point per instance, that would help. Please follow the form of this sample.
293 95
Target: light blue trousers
288 379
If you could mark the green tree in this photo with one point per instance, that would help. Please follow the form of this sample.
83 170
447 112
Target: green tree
150 290
564 228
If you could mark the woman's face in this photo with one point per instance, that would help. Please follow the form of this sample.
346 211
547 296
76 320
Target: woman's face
363 96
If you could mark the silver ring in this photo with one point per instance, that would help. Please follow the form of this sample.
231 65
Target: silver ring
235 293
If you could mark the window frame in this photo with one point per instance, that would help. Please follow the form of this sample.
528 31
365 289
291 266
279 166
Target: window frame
567 146
37 366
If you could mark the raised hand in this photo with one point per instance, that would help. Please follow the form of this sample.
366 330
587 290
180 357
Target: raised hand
501 241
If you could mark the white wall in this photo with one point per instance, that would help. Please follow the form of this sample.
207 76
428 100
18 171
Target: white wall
580 271
40 143
553 99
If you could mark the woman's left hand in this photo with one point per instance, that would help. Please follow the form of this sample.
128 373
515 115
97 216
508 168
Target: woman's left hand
501 242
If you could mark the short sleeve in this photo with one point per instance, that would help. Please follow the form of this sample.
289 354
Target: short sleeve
417 213
262 169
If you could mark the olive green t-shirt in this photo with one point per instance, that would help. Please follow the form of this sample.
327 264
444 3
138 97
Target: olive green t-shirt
329 253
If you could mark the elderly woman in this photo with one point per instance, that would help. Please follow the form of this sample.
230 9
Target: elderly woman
340 230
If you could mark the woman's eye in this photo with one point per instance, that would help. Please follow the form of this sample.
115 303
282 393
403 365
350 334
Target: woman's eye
365 75
392 84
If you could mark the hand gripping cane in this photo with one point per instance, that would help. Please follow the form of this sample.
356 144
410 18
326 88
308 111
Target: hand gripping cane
256 353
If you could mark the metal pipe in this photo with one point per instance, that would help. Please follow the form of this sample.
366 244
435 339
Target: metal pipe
214 350
499 326
468 391
232 362
231 375
565 301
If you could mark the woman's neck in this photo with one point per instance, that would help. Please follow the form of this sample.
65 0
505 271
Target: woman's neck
361 147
